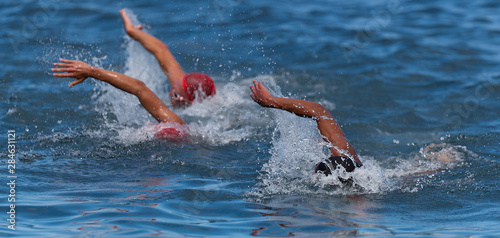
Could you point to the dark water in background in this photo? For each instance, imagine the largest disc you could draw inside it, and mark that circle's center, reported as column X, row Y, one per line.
column 398, row 75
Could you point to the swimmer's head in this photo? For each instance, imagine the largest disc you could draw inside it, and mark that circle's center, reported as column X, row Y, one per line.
column 335, row 162
column 197, row 86
column 321, row 167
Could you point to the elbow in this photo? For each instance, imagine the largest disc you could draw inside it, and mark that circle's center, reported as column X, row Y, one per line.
column 319, row 112
column 320, row 108
column 140, row 88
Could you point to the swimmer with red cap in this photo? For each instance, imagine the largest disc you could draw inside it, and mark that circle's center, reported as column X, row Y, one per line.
column 185, row 88
column 342, row 152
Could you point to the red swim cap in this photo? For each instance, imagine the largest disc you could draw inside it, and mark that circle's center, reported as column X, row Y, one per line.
column 198, row 84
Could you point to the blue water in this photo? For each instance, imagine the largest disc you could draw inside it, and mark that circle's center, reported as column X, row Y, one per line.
column 409, row 81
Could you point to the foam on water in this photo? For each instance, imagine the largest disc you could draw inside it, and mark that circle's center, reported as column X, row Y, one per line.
column 227, row 117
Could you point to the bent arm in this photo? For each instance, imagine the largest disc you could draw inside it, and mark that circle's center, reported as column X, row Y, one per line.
column 327, row 125
column 332, row 133
column 165, row 58
column 147, row 98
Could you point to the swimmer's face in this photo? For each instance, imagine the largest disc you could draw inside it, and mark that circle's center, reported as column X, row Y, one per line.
column 176, row 100
column 176, row 97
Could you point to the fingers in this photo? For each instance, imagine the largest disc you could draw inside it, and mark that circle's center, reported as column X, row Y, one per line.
column 258, row 85
column 255, row 83
column 75, row 82
column 127, row 23
column 62, row 64
column 123, row 13
column 255, row 87
column 252, row 88
column 67, row 61
column 62, row 70
column 69, row 75
column 261, row 85
column 255, row 92
column 253, row 97
column 66, row 72
column 66, row 67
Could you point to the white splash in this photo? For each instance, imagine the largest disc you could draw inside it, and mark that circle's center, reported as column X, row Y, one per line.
column 140, row 64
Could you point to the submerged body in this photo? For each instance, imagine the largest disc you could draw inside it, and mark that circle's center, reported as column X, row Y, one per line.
column 170, row 131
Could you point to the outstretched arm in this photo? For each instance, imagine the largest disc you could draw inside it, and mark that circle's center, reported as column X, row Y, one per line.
column 81, row 71
column 165, row 58
column 327, row 125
